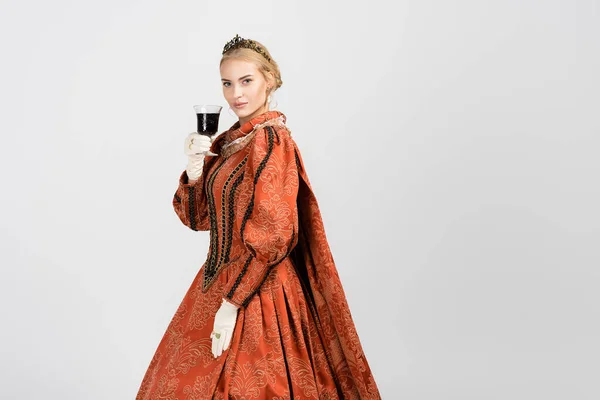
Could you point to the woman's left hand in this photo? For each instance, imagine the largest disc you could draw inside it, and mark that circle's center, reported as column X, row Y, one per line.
column 225, row 319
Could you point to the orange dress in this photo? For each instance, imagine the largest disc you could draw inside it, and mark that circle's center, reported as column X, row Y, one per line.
column 294, row 336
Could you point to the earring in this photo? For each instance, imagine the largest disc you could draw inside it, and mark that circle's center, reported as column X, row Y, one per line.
column 229, row 111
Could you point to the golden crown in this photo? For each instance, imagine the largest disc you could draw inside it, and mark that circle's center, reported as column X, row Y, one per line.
column 238, row 42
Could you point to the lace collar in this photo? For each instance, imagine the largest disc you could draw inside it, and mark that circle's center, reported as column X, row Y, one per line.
column 236, row 137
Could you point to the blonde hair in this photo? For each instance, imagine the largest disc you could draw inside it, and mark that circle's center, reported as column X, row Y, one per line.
column 264, row 66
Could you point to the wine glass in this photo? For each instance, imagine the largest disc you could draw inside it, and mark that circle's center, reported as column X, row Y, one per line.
column 208, row 121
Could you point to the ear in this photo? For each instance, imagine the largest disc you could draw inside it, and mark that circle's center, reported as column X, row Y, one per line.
column 270, row 80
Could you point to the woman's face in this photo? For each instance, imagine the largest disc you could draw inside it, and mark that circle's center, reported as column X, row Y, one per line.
column 244, row 88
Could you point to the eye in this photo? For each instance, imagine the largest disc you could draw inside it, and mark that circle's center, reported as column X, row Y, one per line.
column 225, row 84
column 248, row 79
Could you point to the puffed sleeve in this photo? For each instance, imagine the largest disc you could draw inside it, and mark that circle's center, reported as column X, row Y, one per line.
column 190, row 203
column 267, row 214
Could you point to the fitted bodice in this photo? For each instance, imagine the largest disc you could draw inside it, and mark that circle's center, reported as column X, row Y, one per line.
column 246, row 199
column 222, row 190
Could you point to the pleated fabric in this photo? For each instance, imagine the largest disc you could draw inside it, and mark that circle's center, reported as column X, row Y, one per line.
column 278, row 353
column 275, row 353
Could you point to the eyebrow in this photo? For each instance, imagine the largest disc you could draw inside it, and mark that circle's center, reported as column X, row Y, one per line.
column 243, row 77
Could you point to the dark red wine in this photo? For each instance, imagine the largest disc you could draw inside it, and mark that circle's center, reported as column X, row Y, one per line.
column 208, row 123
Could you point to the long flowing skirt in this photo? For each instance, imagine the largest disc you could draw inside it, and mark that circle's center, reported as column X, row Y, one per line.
column 276, row 351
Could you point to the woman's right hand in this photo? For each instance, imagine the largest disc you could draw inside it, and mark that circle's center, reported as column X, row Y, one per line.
column 196, row 143
column 196, row 147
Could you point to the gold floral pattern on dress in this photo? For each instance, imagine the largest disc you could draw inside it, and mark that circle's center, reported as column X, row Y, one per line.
column 294, row 336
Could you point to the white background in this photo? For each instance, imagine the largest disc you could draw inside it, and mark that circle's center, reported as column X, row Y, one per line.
column 453, row 148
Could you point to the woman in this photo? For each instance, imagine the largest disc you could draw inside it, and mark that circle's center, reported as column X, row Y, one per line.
column 266, row 316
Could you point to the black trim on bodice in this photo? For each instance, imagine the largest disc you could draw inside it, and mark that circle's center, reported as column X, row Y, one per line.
column 191, row 208
column 220, row 238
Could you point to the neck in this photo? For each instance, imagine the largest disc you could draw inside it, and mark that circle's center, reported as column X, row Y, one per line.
column 247, row 118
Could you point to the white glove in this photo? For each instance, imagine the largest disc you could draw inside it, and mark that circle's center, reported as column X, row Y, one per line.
column 223, row 327
column 196, row 147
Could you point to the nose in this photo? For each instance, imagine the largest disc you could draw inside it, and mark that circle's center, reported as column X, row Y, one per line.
column 237, row 92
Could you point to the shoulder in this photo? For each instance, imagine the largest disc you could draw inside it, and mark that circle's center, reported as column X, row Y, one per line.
column 275, row 138
column 272, row 149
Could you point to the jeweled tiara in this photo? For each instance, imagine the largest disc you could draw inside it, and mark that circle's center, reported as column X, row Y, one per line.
column 238, row 42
